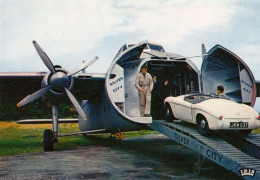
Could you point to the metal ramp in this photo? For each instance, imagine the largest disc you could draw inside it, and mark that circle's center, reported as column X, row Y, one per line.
column 212, row 148
column 253, row 139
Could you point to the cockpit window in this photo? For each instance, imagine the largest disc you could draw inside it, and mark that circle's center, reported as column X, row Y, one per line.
column 130, row 45
column 124, row 48
column 156, row 48
column 146, row 47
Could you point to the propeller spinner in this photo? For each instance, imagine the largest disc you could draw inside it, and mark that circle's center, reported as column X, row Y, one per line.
column 59, row 81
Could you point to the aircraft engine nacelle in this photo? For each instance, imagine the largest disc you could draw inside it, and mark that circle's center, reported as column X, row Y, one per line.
column 59, row 80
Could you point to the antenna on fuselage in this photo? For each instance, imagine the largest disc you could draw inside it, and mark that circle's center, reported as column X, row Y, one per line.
column 83, row 70
column 203, row 51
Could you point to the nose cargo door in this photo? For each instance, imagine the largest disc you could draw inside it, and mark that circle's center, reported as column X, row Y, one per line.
column 120, row 84
column 222, row 67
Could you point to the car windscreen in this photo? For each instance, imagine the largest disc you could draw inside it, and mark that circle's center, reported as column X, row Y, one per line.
column 194, row 99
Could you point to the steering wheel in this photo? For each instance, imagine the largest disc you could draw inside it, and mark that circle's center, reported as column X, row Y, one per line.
column 213, row 95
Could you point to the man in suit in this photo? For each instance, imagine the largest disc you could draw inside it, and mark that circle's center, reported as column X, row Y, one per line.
column 156, row 99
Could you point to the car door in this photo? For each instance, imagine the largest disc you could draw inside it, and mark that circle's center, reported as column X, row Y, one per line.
column 182, row 110
column 222, row 67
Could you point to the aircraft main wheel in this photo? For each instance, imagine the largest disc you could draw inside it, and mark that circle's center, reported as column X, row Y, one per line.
column 169, row 115
column 203, row 127
column 196, row 169
column 48, row 140
column 246, row 132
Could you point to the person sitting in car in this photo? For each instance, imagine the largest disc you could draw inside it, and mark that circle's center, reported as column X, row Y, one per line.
column 220, row 91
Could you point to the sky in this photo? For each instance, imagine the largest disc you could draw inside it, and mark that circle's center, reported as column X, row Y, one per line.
column 71, row 31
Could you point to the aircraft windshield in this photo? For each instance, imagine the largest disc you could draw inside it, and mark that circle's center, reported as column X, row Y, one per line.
column 130, row 45
column 156, row 48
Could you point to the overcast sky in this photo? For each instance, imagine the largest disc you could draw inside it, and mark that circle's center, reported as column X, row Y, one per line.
column 72, row 31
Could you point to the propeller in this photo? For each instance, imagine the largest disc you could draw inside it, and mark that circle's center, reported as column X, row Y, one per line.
column 83, row 66
column 58, row 81
column 76, row 104
column 44, row 57
column 34, row 96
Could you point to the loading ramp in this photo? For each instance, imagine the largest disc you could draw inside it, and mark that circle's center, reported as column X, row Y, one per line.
column 213, row 148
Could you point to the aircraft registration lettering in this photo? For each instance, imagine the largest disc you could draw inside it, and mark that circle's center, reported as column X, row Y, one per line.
column 182, row 139
column 214, row 155
column 116, row 81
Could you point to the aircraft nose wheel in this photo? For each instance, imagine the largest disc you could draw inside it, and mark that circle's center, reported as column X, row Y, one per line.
column 48, row 140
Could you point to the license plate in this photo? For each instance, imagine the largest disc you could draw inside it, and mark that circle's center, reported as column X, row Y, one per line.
column 238, row 125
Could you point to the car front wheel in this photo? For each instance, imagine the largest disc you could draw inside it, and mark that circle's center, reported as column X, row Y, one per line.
column 203, row 127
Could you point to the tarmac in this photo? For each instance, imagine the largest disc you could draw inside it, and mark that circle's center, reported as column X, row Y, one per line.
column 143, row 157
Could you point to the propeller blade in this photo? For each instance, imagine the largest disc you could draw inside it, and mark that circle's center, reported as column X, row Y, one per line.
column 44, row 57
column 34, row 96
column 76, row 104
column 83, row 66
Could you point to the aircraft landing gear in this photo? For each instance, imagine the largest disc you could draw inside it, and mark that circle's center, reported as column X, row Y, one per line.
column 50, row 137
column 48, row 140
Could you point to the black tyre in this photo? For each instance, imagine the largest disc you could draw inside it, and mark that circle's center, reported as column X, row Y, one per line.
column 169, row 115
column 196, row 169
column 246, row 132
column 48, row 140
column 203, row 126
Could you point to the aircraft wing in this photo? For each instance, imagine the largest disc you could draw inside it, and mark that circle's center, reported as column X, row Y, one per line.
column 16, row 86
column 88, row 86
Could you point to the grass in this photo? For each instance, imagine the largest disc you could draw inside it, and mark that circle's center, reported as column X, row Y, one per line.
column 16, row 139
column 257, row 131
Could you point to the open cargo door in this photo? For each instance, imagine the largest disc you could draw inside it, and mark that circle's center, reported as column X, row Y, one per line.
column 120, row 84
column 222, row 67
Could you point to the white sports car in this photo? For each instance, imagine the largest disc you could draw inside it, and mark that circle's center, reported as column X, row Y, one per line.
column 212, row 113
